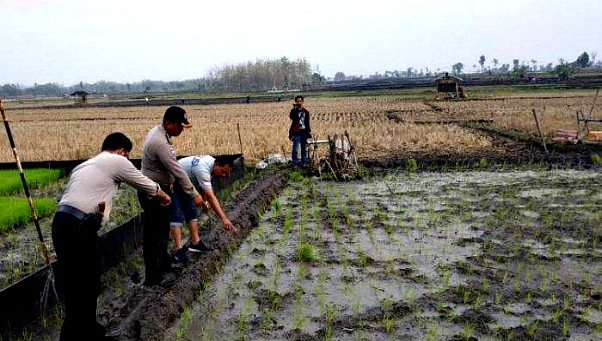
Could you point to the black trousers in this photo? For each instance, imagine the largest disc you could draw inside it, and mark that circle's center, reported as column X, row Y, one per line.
column 155, row 237
column 76, row 244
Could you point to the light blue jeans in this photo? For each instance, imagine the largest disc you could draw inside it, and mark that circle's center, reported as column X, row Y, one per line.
column 299, row 140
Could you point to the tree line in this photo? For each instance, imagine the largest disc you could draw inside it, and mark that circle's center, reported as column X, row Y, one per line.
column 284, row 74
column 259, row 76
column 563, row 69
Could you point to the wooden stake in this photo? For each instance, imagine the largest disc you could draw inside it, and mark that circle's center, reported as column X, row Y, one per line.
column 239, row 138
column 543, row 142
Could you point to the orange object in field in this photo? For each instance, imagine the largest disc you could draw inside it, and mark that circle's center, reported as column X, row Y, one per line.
column 594, row 135
column 565, row 135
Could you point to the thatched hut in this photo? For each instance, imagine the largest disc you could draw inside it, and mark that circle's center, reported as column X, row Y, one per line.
column 449, row 87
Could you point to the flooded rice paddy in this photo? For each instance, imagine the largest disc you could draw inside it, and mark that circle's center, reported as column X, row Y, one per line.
column 415, row 256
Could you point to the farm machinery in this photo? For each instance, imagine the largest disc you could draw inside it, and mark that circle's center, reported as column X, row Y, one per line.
column 335, row 156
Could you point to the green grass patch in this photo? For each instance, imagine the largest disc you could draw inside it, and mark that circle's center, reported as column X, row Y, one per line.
column 305, row 253
column 16, row 212
column 10, row 180
column 295, row 176
column 411, row 165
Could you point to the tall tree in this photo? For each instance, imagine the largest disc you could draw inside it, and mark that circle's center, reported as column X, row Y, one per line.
column 482, row 61
column 564, row 70
column 10, row 90
column 339, row 77
column 583, row 60
column 457, row 68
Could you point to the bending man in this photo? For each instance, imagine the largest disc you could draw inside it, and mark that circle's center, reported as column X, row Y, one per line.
column 200, row 169
column 85, row 204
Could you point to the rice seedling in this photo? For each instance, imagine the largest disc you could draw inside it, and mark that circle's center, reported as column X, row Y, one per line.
column 16, row 211
column 10, row 180
column 185, row 319
column 388, row 323
column 432, row 333
column 305, row 253
column 287, row 225
column 329, row 318
column 466, row 333
column 466, row 295
column 276, row 207
column 299, row 318
column 531, row 329
column 295, row 176
column 411, row 165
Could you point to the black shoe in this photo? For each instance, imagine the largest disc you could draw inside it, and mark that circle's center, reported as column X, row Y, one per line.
column 180, row 256
column 200, row 247
column 163, row 283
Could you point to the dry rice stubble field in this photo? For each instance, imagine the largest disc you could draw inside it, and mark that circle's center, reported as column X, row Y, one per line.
column 46, row 134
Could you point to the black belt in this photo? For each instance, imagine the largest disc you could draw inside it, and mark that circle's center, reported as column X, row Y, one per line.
column 77, row 213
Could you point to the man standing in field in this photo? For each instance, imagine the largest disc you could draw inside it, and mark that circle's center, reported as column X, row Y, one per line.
column 85, row 203
column 159, row 163
column 199, row 169
column 299, row 131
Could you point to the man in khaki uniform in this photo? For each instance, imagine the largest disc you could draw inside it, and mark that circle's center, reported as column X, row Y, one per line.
column 160, row 164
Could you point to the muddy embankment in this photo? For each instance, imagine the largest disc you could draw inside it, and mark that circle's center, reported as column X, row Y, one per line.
column 142, row 313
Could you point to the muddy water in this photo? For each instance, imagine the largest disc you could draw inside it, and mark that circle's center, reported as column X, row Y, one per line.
column 20, row 250
column 430, row 256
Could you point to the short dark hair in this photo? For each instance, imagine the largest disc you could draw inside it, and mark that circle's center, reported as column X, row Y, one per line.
column 116, row 141
column 175, row 114
column 224, row 160
column 299, row 96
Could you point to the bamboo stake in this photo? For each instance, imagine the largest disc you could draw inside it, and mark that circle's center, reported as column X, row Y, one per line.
column 543, row 142
column 32, row 208
column 239, row 138
column 332, row 170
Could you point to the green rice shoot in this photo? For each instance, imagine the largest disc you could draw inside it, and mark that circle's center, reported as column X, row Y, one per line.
column 10, row 180
column 16, row 212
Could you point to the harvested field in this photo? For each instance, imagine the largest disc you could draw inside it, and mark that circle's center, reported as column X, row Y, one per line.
column 66, row 134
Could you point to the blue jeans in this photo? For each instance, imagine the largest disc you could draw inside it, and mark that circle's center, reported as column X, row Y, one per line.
column 299, row 140
column 181, row 209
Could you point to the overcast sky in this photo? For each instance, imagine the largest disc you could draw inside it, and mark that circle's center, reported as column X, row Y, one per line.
column 68, row 41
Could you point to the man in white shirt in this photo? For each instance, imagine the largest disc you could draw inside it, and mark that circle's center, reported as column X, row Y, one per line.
column 200, row 169
column 84, row 205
